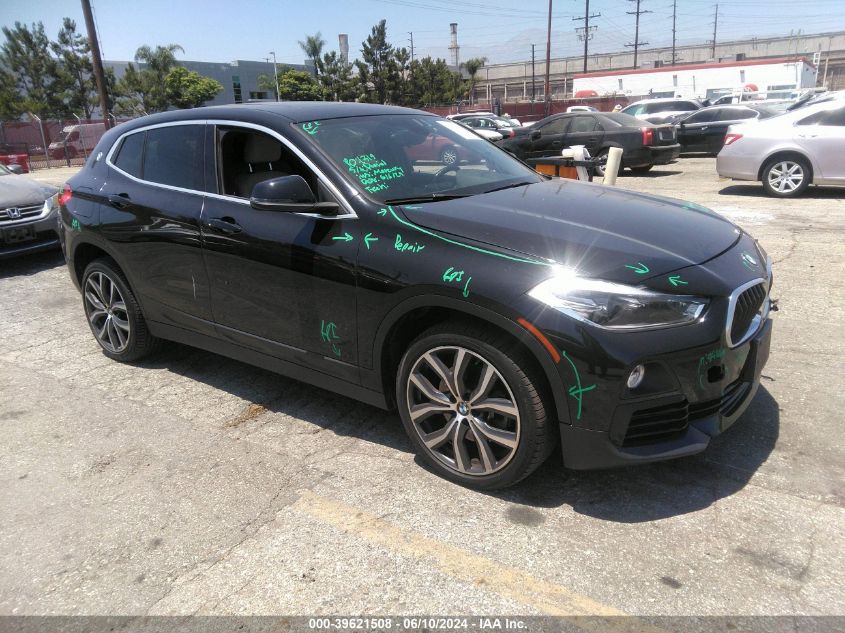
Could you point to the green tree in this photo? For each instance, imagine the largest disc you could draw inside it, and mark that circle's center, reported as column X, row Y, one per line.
column 189, row 89
column 10, row 98
column 378, row 72
column 432, row 81
column 134, row 93
column 313, row 48
column 472, row 66
column 75, row 70
column 159, row 61
column 296, row 85
column 26, row 56
column 267, row 82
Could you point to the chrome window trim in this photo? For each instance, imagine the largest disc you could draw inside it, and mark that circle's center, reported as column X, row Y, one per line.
column 758, row 319
column 349, row 215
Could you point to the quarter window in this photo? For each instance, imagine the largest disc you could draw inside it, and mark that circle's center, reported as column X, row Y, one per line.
column 130, row 153
column 174, row 156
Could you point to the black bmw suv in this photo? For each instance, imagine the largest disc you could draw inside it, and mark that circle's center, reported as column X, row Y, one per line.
column 502, row 313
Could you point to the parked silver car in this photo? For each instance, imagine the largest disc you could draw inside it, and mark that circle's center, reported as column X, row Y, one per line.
column 27, row 215
column 788, row 152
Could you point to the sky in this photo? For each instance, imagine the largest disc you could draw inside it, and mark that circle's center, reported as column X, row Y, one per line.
column 500, row 30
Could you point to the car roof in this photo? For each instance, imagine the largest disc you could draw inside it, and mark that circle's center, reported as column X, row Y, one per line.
column 662, row 100
column 291, row 111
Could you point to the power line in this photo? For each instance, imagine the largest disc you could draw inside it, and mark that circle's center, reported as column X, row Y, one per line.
column 587, row 30
column 637, row 43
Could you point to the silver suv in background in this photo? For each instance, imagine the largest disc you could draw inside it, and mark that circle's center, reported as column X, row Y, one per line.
column 662, row 110
column 789, row 152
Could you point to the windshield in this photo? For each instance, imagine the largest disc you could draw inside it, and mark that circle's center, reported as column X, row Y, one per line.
column 4, row 171
column 400, row 157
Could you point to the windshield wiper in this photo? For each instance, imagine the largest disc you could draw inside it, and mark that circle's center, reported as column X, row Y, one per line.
column 516, row 184
column 432, row 197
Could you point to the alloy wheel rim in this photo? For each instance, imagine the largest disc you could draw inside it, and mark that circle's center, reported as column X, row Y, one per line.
column 106, row 312
column 463, row 410
column 786, row 176
column 449, row 156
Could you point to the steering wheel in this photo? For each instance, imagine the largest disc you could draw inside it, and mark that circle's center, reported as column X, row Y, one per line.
column 442, row 172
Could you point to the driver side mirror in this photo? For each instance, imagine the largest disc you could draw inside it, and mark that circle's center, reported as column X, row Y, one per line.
column 15, row 169
column 290, row 194
column 535, row 135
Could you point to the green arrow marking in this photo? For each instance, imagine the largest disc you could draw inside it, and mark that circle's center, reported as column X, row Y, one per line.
column 382, row 211
column 640, row 268
column 369, row 238
column 343, row 238
column 675, row 280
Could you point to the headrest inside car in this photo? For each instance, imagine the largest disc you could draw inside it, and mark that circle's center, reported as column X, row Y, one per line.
column 262, row 149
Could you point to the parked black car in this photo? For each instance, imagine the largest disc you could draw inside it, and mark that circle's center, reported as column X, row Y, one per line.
column 28, row 221
column 644, row 144
column 705, row 129
column 495, row 308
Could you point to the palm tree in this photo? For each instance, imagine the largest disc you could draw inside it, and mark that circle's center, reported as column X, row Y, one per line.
column 159, row 61
column 472, row 66
column 313, row 47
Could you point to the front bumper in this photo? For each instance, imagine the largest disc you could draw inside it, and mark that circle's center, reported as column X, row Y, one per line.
column 691, row 424
column 46, row 236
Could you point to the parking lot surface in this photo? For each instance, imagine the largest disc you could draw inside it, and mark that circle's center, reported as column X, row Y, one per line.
column 194, row 484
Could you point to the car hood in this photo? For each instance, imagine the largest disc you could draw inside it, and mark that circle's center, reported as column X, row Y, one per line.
column 20, row 191
column 600, row 231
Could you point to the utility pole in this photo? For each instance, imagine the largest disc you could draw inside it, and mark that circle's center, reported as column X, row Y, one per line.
column 588, row 30
column 715, row 25
column 637, row 43
column 674, row 15
column 96, row 60
column 275, row 73
column 411, row 33
column 547, row 95
column 533, row 92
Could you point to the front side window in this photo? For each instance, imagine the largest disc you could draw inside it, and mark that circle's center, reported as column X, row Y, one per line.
column 173, row 156
column 397, row 158
column 556, row 126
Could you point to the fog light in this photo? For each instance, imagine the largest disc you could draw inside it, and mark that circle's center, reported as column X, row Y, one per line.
column 636, row 377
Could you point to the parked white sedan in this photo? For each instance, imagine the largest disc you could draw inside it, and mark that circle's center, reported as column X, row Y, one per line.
column 788, row 152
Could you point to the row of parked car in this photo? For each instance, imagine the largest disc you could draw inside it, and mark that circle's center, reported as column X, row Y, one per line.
column 787, row 145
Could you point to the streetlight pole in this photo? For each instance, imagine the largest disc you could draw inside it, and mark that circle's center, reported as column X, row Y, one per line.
column 275, row 74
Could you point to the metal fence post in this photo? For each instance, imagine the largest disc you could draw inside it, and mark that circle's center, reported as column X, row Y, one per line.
column 43, row 138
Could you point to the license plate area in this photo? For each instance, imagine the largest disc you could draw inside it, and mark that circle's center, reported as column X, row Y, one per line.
column 18, row 234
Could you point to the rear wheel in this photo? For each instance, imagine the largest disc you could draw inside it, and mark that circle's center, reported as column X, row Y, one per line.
column 449, row 155
column 786, row 177
column 602, row 155
column 113, row 313
column 470, row 402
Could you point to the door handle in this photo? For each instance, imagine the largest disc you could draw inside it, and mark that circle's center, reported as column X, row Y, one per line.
column 119, row 200
column 225, row 225
column 808, row 135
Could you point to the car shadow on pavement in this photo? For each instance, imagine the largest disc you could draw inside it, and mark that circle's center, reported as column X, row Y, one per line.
column 30, row 264
column 756, row 190
column 267, row 392
column 649, row 492
column 654, row 173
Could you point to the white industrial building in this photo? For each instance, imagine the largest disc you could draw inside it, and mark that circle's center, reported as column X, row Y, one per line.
column 777, row 78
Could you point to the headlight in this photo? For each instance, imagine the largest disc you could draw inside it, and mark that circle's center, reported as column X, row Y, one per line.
column 617, row 306
column 49, row 204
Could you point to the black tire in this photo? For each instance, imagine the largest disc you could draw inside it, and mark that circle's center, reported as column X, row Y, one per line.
column 783, row 166
column 641, row 169
column 449, row 155
column 138, row 341
column 535, row 433
column 603, row 153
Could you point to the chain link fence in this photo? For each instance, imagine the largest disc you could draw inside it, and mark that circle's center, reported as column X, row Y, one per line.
column 40, row 144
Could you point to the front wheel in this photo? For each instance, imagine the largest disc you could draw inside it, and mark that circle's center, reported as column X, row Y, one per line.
column 786, row 177
column 470, row 401
column 449, row 155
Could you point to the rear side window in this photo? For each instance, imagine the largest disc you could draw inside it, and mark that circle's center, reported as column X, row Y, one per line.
column 174, row 156
column 735, row 114
column 582, row 124
column 703, row 116
column 129, row 154
column 833, row 117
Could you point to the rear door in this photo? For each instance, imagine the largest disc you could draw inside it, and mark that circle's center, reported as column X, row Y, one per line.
column 584, row 129
column 714, row 135
column 692, row 132
column 823, row 136
column 151, row 205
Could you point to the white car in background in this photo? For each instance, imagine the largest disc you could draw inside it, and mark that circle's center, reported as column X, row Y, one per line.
column 488, row 133
column 664, row 110
column 788, row 152
column 463, row 115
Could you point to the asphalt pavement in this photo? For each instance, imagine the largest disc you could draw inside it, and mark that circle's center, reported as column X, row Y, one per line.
column 193, row 484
